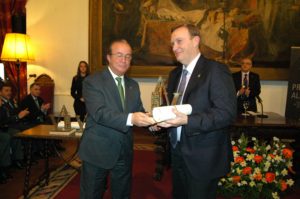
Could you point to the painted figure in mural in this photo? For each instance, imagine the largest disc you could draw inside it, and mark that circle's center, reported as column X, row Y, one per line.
column 230, row 30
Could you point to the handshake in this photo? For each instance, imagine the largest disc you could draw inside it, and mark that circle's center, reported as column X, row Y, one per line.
column 165, row 116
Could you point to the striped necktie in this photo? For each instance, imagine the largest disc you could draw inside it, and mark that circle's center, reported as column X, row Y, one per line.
column 121, row 90
column 180, row 90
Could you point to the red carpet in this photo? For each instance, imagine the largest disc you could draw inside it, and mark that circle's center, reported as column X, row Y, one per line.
column 144, row 187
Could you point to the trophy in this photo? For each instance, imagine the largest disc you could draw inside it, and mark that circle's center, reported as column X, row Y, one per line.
column 159, row 96
column 67, row 118
column 64, row 130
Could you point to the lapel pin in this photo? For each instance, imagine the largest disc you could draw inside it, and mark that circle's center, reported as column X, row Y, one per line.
column 199, row 75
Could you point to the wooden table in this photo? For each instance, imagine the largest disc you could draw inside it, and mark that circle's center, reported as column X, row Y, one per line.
column 274, row 125
column 42, row 132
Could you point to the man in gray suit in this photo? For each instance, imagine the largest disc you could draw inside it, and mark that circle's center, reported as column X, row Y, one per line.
column 113, row 105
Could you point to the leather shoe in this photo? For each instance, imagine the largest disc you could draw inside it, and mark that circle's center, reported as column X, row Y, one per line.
column 18, row 164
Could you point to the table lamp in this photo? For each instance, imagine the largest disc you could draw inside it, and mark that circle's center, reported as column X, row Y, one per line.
column 17, row 48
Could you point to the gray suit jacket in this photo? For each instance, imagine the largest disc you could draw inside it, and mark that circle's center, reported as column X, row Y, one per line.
column 106, row 129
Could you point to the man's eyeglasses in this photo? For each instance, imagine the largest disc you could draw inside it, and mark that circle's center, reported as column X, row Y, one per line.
column 246, row 63
column 121, row 56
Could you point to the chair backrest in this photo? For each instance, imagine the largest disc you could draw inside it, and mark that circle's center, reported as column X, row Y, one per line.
column 47, row 89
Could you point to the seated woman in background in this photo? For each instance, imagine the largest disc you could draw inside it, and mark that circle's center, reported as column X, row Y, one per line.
column 76, row 89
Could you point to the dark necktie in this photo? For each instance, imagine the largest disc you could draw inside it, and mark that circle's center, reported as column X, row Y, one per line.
column 181, row 86
column 40, row 118
column 11, row 105
column 121, row 90
column 180, row 90
column 37, row 102
column 245, row 81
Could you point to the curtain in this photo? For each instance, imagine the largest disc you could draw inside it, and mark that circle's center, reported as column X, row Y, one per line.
column 10, row 9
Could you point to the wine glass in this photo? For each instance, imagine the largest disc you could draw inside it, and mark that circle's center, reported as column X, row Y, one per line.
column 245, row 106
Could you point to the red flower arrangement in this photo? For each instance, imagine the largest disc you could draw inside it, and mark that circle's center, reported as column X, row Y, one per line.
column 259, row 169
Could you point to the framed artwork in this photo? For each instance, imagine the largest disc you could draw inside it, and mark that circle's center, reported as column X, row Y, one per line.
column 229, row 29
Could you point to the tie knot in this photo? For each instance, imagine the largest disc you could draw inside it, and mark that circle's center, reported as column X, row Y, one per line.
column 246, row 75
column 119, row 79
column 184, row 72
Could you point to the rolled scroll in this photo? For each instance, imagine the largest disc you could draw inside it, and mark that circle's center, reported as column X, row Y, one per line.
column 164, row 113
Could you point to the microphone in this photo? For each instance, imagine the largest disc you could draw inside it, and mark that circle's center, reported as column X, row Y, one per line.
column 262, row 108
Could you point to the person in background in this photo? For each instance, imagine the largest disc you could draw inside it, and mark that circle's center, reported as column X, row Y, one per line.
column 37, row 115
column 35, row 105
column 113, row 105
column 11, row 124
column 201, row 149
column 247, row 86
column 76, row 89
column 5, row 140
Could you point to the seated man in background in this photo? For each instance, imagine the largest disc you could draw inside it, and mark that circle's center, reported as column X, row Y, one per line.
column 37, row 114
column 35, row 105
column 4, row 148
column 247, row 86
column 11, row 124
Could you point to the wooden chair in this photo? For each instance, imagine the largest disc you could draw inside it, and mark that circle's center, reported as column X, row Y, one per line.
column 47, row 89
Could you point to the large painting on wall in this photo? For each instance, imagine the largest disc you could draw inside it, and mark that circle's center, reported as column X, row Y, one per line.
column 230, row 29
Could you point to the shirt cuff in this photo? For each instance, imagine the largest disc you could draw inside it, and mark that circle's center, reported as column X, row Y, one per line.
column 129, row 123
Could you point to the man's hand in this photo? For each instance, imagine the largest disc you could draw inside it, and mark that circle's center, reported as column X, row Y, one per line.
column 141, row 119
column 23, row 113
column 45, row 107
column 247, row 92
column 242, row 91
column 181, row 119
column 154, row 128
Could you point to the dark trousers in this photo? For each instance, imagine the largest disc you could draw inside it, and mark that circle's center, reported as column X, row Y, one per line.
column 79, row 108
column 93, row 180
column 4, row 149
column 8, row 142
column 185, row 186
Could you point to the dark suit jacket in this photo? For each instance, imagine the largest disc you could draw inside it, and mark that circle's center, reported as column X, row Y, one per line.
column 205, row 141
column 35, row 112
column 254, row 86
column 106, row 129
column 10, row 116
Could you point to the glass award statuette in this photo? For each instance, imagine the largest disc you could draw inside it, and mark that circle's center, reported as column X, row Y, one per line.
column 162, row 113
column 66, row 129
column 159, row 95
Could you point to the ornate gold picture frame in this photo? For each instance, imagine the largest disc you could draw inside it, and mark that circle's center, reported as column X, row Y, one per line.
column 96, row 58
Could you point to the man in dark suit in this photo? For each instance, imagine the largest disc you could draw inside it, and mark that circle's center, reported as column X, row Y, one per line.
column 35, row 105
column 37, row 115
column 5, row 141
column 201, row 148
column 113, row 105
column 11, row 124
column 247, row 86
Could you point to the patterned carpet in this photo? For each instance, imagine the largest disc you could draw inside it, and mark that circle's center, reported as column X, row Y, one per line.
column 57, row 181
column 62, row 176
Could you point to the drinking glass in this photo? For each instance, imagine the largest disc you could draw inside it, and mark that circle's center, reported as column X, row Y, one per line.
column 245, row 106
